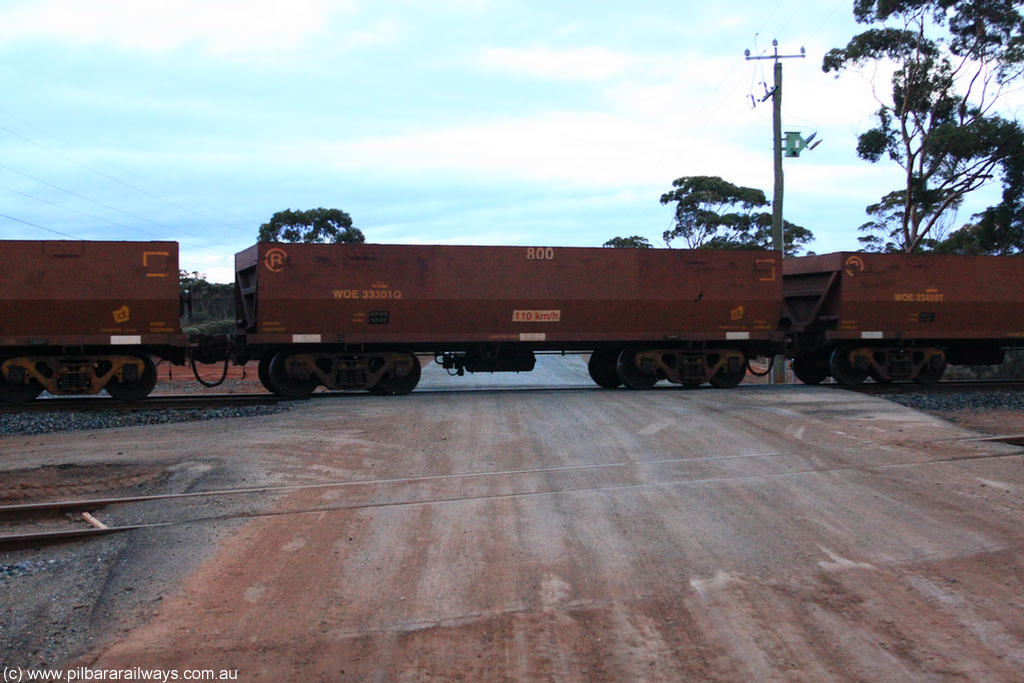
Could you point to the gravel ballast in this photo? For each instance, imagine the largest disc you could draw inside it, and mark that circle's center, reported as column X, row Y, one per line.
column 24, row 424
column 963, row 400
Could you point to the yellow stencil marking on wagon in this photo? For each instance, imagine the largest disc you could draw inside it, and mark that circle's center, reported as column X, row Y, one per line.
column 536, row 316
column 768, row 265
column 274, row 259
column 736, row 313
column 378, row 292
column 122, row 315
column 928, row 296
column 150, row 260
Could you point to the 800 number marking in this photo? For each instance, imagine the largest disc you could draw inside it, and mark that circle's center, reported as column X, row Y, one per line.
column 540, row 254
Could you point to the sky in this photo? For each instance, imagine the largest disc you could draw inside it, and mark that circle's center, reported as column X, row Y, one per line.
column 515, row 122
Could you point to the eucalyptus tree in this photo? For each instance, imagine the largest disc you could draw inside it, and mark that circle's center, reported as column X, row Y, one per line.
column 712, row 213
column 314, row 225
column 938, row 116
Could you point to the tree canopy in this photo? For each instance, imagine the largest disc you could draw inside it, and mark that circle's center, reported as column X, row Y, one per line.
column 312, row 226
column 212, row 304
column 952, row 60
column 635, row 242
column 712, row 213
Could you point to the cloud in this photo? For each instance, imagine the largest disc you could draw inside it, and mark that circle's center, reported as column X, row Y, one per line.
column 382, row 32
column 538, row 61
column 574, row 147
column 224, row 26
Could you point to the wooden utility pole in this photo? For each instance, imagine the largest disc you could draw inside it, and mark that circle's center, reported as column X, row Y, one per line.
column 778, row 242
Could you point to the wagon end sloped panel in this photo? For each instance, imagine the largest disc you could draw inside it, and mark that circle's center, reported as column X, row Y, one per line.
column 369, row 294
column 81, row 293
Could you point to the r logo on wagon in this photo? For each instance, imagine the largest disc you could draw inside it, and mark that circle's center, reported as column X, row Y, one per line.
column 275, row 259
column 854, row 265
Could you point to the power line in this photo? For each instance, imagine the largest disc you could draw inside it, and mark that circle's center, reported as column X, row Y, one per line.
column 106, row 206
column 80, row 213
column 57, row 232
column 117, row 180
column 815, row 32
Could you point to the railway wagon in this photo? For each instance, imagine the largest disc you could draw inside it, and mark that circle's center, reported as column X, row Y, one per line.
column 900, row 316
column 356, row 316
column 78, row 317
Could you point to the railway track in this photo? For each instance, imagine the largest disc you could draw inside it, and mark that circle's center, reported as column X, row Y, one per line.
column 947, row 386
column 40, row 523
column 203, row 400
column 156, row 402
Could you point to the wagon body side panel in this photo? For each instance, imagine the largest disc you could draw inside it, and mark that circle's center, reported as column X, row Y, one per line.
column 439, row 295
column 82, row 293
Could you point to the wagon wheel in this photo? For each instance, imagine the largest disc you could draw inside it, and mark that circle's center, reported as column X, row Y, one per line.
column 374, row 365
column 932, row 372
column 726, row 379
column 263, row 370
column 282, row 383
column 602, row 368
column 843, row 370
column 137, row 389
column 630, row 374
column 809, row 370
column 394, row 384
column 18, row 393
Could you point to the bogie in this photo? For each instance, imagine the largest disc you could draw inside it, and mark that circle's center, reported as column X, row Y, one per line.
column 851, row 365
column 127, row 377
column 640, row 368
column 297, row 374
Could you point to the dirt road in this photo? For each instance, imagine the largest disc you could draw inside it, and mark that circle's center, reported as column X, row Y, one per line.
column 575, row 534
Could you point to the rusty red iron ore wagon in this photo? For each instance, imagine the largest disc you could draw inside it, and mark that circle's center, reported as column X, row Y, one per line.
column 900, row 316
column 78, row 317
column 355, row 316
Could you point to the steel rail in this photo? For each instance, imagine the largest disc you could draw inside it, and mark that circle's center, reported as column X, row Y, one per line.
column 943, row 387
column 35, row 509
column 153, row 402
